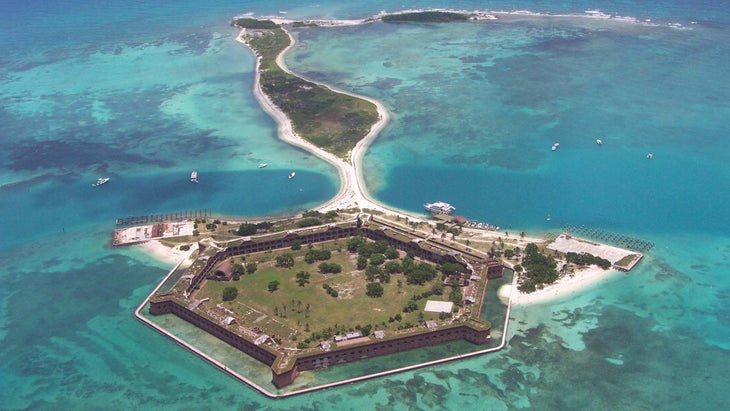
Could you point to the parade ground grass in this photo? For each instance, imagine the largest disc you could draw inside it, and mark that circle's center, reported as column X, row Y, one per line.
column 300, row 310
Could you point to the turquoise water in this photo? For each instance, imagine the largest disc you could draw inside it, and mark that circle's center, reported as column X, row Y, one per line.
column 144, row 93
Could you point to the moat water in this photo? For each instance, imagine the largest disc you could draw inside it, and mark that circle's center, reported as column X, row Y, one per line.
column 144, row 93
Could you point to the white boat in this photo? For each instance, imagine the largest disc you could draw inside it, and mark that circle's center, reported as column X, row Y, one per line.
column 262, row 165
column 100, row 181
column 194, row 177
column 650, row 156
column 599, row 142
column 555, row 146
column 291, row 175
column 439, row 207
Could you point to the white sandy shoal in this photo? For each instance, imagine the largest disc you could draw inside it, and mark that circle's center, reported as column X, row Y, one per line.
column 167, row 254
column 566, row 287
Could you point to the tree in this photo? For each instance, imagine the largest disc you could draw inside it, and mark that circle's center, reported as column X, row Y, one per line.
column 251, row 267
column 456, row 296
column 377, row 259
column 452, row 268
column 362, row 262
column 354, row 243
column 230, row 293
column 508, row 253
column 391, row 253
column 326, row 268
column 437, row 288
column 374, row 290
column 392, row 267
column 273, row 286
column 237, row 271
column 296, row 245
column 420, row 273
column 246, row 229
column 372, row 272
column 302, row 278
column 285, row 260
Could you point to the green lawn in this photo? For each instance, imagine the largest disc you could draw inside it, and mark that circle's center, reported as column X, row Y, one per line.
column 310, row 305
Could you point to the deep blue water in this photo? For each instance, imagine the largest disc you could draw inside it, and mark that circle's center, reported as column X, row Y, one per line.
column 145, row 92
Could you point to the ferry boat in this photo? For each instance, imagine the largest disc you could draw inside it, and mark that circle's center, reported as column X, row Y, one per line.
column 194, row 177
column 262, row 165
column 291, row 175
column 100, row 181
column 439, row 207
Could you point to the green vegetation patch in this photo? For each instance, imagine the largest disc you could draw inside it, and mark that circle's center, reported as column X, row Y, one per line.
column 332, row 121
column 587, row 259
column 539, row 269
column 624, row 262
column 246, row 23
column 426, row 17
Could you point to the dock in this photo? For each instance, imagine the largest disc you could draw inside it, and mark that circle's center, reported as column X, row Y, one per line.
column 162, row 218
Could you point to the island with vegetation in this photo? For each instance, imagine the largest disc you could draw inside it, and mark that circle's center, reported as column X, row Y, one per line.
column 332, row 121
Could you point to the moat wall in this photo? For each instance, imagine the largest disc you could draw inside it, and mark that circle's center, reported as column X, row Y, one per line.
column 259, row 352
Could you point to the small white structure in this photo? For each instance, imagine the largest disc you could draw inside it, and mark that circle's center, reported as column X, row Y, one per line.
column 262, row 339
column 228, row 321
column 438, row 306
column 379, row 334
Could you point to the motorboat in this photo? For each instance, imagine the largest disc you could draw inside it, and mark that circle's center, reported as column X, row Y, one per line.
column 292, row 174
column 194, row 177
column 100, row 181
column 599, row 142
column 555, row 146
column 439, row 207
column 650, row 156
column 262, row 165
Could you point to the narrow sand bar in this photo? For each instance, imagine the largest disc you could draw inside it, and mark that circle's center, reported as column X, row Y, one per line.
column 351, row 193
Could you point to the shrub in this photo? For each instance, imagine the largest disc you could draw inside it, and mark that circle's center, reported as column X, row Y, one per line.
column 331, row 291
column 326, row 268
column 251, row 268
column 374, row 290
column 377, row 259
column 302, row 278
column 284, row 260
column 230, row 293
column 296, row 245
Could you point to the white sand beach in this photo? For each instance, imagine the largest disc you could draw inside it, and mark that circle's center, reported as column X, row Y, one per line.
column 164, row 253
column 566, row 287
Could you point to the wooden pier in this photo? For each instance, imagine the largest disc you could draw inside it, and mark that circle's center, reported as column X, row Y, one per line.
column 161, row 218
column 619, row 240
